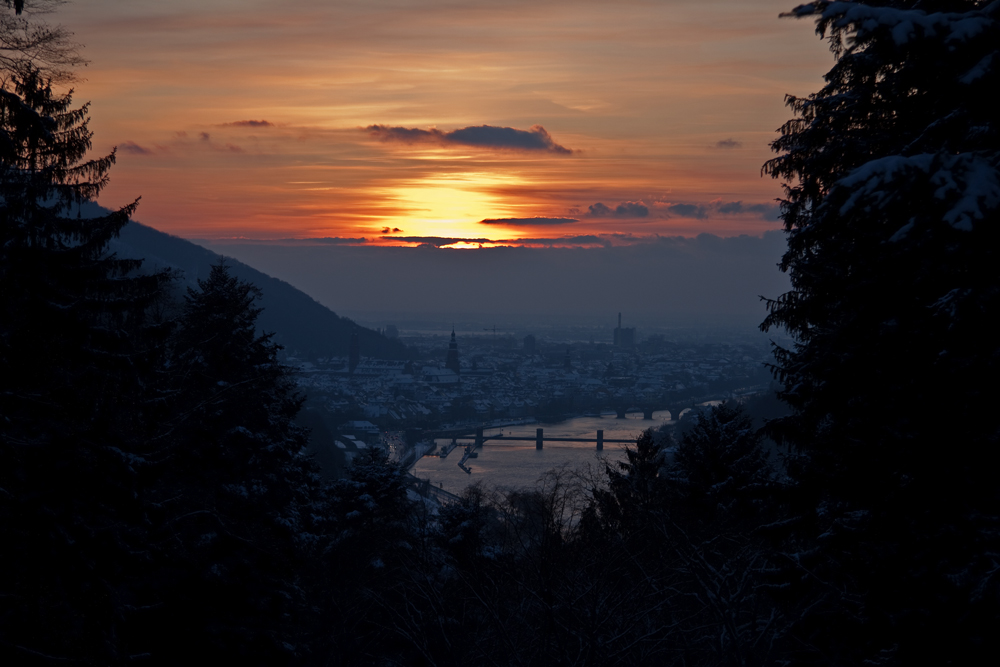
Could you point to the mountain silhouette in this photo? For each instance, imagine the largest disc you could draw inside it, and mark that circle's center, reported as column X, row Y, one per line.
column 301, row 324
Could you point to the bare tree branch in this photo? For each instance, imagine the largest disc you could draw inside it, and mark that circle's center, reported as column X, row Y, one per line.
column 27, row 39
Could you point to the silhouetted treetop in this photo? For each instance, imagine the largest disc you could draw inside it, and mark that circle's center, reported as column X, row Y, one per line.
column 892, row 194
column 79, row 348
column 721, row 465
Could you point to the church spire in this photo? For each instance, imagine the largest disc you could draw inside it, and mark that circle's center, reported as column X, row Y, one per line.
column 451, row 363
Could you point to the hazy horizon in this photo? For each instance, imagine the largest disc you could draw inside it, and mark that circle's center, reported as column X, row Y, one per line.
column 675, row 282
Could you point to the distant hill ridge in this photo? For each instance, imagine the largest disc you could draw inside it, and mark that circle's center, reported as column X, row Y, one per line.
column 301, row 324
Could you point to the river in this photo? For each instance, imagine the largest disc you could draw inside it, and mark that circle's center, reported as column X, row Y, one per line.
column 519, row 464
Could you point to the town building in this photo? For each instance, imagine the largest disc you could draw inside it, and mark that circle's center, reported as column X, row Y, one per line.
column 624, row 338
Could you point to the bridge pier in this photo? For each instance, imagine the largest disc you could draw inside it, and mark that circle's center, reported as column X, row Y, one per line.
column 620, row 412
column 479, row 437
column 600, row 440
column 538, row 439
column 647, row 413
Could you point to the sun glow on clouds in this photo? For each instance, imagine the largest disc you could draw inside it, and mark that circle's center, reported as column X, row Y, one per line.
column 234, row 120
column 463, row 245
column 448, row 205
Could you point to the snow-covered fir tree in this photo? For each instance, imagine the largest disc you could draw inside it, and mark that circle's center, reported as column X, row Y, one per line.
column 891, row 205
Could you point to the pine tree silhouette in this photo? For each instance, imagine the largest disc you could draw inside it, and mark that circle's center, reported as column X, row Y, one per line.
column 77, row 357
column 242, row 503
column 720, row 466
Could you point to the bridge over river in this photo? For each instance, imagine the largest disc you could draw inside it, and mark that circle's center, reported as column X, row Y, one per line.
column 508, row 459
column 474, row 434
column 522, row 454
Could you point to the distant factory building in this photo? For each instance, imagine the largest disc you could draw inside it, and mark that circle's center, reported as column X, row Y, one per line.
column 624, row 338
column 529, row 344
column 451, row 363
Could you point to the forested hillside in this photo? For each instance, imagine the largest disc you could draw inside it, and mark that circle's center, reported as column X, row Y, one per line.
column 300, row 324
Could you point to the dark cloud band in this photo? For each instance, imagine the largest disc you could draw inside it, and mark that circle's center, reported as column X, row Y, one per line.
column 580, row 241
column 766, row 211
column 436, row 241
column 134, row 148
column 251, row 123
column 703, row 211
column 627, row 209
column 630, row 209
column 325, row 240
column 485, row 136
column 697, row 211
column 528, row 222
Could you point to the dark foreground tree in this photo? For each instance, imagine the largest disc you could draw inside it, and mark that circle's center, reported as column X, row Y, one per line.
column 372, row 566
column 720, row 469
column 892, row 209
column 635, row 489
column 676, row 530
column 236, row 505
column 155, row 499
column 77, row 352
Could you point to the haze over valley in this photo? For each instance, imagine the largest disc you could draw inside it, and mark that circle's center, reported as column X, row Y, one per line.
column 664, row 282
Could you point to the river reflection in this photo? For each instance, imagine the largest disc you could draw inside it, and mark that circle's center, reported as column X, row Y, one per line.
column 519, row 464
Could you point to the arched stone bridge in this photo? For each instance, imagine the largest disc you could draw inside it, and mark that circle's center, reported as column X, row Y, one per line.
column 674, row 407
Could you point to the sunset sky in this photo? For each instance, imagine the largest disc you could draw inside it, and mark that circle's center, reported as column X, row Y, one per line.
column 563, row 122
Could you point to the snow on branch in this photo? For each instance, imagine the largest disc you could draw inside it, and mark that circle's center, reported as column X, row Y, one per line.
column 968, row 182
column 904, row 24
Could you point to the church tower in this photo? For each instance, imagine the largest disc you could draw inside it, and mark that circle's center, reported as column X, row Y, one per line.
column 451, row 363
